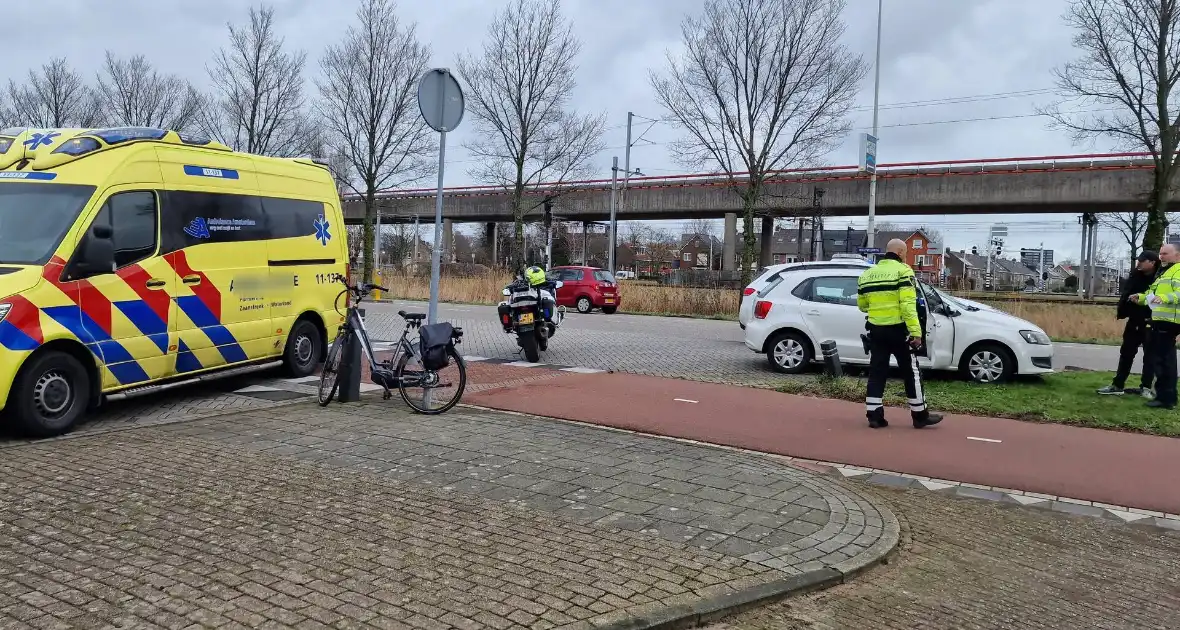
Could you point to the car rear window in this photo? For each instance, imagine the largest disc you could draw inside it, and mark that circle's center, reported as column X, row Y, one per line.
column 603, row 276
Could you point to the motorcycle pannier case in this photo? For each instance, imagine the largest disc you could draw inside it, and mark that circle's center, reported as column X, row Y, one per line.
column 433, row 341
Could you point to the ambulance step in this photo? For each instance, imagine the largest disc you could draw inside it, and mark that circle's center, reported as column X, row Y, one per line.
column 211, row 376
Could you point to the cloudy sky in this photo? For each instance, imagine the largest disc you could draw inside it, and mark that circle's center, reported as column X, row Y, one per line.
column 959, row 78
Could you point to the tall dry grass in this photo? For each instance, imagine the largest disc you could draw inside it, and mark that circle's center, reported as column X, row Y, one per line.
column 1082, row 322
column 637, row 297
column 1060, row 321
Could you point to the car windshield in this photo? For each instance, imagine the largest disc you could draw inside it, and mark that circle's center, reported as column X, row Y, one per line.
column 945, row 297
column 35, row 217
column 603, row 276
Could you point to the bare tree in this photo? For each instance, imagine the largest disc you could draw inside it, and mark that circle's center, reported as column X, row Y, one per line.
column 135, row 94
column 518, row 93
column 762, row 85
column 368, row 101
column 1130, row 228
column 701, row 227
column 54, row 96
column 1129, row 67
column 258, row 103
column 934, row 235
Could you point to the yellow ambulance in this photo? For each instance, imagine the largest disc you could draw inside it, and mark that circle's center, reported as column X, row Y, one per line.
column 135, row 259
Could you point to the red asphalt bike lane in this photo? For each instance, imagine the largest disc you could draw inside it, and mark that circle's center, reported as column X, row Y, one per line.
column 1124, row 469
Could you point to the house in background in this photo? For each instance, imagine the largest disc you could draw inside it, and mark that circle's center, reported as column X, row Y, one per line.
column 700, row 251
column 924, row 257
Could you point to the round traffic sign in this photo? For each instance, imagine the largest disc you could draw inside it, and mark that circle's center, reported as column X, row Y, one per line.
column 440, row 99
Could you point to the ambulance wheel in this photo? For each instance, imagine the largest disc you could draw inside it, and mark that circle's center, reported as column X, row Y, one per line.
column 49, row 395
column 304, row 350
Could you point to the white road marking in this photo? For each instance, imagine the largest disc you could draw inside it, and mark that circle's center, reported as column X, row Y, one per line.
column 979, row 439
column 525, row 364
column 685, row 400
column 257, row 388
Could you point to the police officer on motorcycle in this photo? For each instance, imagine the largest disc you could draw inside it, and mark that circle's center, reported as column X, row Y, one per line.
column 887, row 293
column 539, row 281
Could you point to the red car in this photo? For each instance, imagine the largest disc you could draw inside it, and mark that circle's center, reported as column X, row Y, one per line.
column 586, row 288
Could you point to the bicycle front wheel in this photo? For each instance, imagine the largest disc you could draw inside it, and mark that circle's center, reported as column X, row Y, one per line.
column 432, row 392
column 330, row 377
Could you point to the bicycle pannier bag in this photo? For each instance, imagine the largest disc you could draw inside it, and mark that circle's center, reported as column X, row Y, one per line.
column 433, row 341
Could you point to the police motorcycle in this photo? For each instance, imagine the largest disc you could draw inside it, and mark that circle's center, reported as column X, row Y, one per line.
column 530, row 311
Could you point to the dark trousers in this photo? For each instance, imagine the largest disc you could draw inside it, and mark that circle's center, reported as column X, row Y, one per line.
column 1137, row 333
column 886, row 342
column 1163, row 349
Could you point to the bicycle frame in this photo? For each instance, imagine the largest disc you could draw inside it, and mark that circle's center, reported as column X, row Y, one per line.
column 355, row 325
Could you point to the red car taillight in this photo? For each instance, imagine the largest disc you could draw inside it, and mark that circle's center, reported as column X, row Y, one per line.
column 749, row 291
column 761, row 309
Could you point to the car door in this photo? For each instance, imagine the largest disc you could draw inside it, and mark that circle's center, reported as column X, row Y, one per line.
column 940, row 331
column 830, row 313
column 575, row 280
column 217, row 245
column 130, row 318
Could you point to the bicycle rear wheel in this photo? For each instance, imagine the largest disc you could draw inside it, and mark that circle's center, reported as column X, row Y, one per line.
column 330, row 377
column 431, row 392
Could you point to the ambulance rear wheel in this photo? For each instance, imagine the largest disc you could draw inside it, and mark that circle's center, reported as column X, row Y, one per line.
column 49, row 395
column 304, row 349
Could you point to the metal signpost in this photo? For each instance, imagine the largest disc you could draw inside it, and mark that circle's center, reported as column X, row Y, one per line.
column 440, row 99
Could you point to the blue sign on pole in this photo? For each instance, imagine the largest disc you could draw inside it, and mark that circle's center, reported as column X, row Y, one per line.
column 868, row 250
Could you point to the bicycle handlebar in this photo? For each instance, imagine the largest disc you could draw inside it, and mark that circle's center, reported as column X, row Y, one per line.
column 360, row 288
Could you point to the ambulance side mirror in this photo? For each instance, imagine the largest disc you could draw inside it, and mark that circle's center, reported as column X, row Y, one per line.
column 96, row 254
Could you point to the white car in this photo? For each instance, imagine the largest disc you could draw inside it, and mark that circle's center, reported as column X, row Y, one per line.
column 746, row 310
column 801, row 307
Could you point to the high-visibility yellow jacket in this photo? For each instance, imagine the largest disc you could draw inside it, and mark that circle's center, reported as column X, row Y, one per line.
column 888, row 293
column 1167, row 287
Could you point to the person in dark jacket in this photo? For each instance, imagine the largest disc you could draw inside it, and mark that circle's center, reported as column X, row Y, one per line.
column 1138, row 329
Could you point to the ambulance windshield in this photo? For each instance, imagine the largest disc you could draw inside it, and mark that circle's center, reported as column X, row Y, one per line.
column 34, row 217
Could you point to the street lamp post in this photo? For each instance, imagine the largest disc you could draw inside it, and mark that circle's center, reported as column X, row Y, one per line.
column 876, row 102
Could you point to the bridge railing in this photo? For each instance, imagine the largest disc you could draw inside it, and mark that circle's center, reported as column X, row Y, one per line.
column 1094, row 161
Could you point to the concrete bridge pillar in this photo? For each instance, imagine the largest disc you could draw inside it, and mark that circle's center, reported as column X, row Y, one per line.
column 493, row 241
column 448, row 240
column 729, row 239
column 764, row 257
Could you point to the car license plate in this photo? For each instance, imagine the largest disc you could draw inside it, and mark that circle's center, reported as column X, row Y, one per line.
column 609, row 300
column 525, row 318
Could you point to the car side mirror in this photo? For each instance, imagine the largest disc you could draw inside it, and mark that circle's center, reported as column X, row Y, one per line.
column 559, row 284
column 96, row 255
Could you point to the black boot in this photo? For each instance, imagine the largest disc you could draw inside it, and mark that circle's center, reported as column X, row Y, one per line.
column 926, row 419
column 877, row 419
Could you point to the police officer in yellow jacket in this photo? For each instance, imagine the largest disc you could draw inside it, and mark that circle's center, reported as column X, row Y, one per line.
column 888, row 294
column 1164, row 301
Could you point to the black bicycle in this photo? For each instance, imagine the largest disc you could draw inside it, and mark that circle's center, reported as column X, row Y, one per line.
column 430, row 367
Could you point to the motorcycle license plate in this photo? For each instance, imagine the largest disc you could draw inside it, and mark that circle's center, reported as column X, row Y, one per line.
column 525, row 318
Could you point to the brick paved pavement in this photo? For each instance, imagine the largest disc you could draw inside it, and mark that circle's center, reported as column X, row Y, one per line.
column 365, row 516
column 968, row 564
column 704, row 350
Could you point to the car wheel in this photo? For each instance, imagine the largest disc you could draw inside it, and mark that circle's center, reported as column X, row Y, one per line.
column 50, row 395
column 584, row 305
column 304, row 349
column 788, row 353
column 610, row 310
column 988, row 363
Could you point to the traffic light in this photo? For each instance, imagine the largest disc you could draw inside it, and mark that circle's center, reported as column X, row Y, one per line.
column 999, row 250
column 974, row 250
column 1044, row 275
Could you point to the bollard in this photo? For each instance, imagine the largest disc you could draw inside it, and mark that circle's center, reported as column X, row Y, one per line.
column 832, row 365
column 350, row 368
